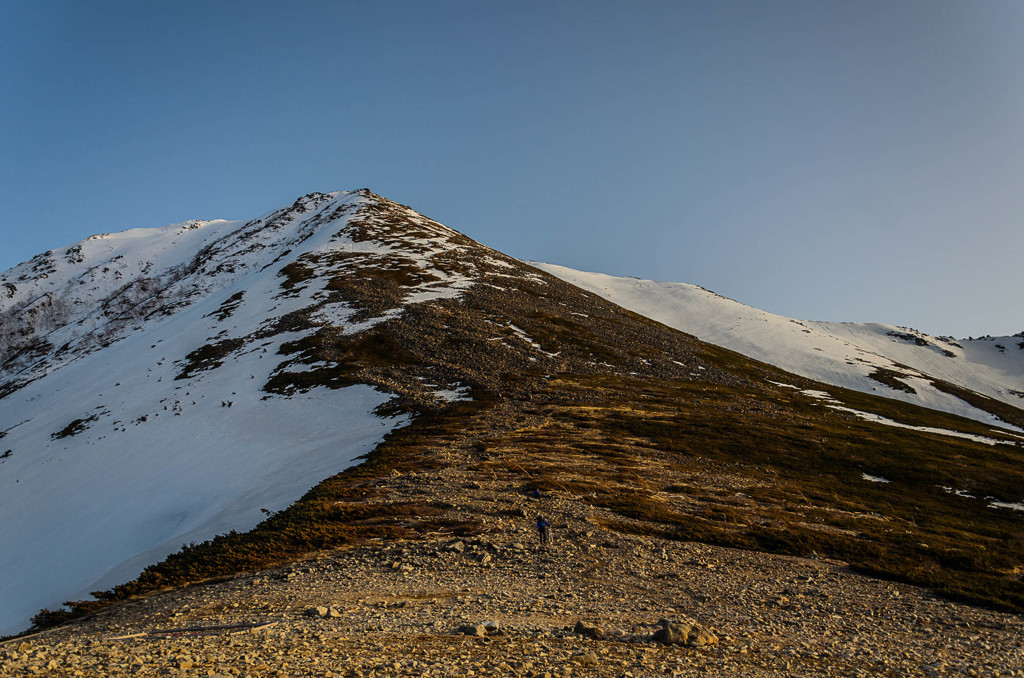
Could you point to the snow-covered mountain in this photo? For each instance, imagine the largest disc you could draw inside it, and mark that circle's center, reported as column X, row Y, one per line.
column 119, row 440
column 895, row 362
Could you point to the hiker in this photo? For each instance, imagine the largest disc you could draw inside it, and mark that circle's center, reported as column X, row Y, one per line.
column 542, row 529
column 535, row 494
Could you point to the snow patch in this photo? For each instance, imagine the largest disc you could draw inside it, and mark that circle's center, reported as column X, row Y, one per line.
column 459, row 394
column 879, row 419
column 783, row 385
column 1013, row 506
column 334, row 314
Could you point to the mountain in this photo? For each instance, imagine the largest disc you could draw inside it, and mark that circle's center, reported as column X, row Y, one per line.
column 183, row 384
column 975, row 378
column 162, row 386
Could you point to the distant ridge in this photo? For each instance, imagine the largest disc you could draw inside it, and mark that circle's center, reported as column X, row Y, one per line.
column 971, row 377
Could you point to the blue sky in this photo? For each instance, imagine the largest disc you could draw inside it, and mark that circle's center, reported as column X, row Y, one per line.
column 858, row 161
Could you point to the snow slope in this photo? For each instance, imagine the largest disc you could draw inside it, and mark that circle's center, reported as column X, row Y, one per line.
column 118, row 444
column 842, row 354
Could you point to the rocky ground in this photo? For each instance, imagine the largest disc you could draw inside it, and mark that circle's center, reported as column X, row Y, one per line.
column 592, row 603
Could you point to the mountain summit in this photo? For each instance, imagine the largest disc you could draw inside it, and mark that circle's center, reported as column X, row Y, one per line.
column 161, row 386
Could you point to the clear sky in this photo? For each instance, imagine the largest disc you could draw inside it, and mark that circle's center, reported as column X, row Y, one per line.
column 858, row 160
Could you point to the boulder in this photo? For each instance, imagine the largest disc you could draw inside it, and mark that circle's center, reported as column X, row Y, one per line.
column 589, row 630
column 323, row 611
column 480, row 630
column 477, row 630
column 683, row 633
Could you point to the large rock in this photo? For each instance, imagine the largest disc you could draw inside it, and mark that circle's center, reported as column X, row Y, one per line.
column 487, row 628
column 683, row 633
column 595, row 632
column 323, row 611
column 478, row 630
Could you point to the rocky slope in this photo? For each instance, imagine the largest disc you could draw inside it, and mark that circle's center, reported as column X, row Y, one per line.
column 592, row 603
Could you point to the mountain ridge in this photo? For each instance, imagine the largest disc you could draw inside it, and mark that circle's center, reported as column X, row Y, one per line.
column 892, row 361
